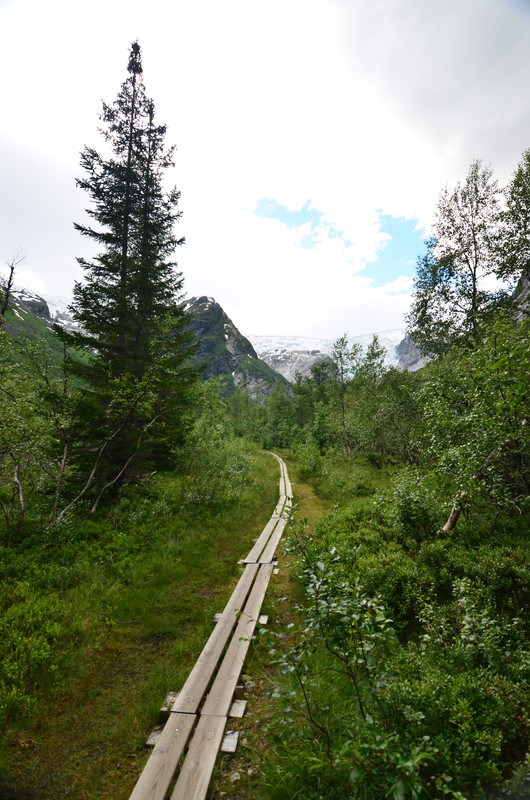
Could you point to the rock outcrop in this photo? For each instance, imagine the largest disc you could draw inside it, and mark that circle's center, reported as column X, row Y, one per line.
column 226, row 353
column 409, row 356
column 521, row 298
column 30, row 302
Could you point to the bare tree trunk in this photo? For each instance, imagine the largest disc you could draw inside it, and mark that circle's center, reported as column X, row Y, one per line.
column 480, row 473
column 92, row 475
column 60, row 481
column 118, row 476
column 21, row 502
column 455, row 513
column 17, row 259
column 90, row 478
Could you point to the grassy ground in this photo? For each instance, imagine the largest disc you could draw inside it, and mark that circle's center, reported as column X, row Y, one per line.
column 85, row 739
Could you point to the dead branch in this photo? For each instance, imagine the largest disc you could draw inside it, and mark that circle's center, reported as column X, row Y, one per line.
column 120, row 473
column 17, row 259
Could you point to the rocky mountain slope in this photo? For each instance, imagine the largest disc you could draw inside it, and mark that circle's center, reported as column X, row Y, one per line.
column 222, row 348
column 291, row 362
column 409, row 356
column 226, row 352
column 252, row 364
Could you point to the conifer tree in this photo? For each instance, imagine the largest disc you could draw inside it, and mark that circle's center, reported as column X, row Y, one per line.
column 136, row 374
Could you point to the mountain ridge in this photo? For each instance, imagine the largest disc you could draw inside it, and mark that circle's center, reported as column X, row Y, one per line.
column 246, row 366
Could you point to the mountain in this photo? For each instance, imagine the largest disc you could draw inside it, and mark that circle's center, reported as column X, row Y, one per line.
column 253, row 364
column 291, row 354
column 409, row 356
column 222, row 348
column 226, row 352
column 521, row 297
column 29, row 317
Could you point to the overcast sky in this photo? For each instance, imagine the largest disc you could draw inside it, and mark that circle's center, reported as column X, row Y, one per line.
column 313, row 139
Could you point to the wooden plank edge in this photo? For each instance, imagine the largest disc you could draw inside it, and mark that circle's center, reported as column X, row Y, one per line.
column 204, row 669
column 158, row 772
column 195, row 775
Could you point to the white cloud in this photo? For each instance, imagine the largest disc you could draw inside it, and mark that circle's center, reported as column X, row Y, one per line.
column 360, row 106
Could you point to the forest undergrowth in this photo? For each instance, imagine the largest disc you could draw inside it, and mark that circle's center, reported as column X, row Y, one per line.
column 401, row 671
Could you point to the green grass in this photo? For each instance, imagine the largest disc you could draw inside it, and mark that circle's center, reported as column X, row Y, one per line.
column 137, row 589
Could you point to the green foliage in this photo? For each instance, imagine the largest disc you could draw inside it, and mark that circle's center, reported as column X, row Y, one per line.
column 450, row 303
column 515, row 233
column 409, row 660
column 351, row 406
column 137, row 378
column 32, row 425
column 410, row 509
column 476, row 411
column 70, row 587
column 35, row 644
column 280, row 425
column 215, row 466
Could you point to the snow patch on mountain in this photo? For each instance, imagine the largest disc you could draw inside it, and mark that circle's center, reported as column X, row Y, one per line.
column 276, row 344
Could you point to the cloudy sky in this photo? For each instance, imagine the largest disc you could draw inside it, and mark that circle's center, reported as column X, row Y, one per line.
column 313, row 136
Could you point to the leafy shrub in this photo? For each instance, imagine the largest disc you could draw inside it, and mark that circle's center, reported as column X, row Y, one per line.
column 309, row 460
column 411, row 508
column 32, row 645
column 442, row 712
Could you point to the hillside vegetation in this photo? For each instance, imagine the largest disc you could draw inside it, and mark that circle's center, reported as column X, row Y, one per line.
column 398, row 658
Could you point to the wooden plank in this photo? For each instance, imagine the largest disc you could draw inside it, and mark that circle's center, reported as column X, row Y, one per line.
column 160, row 768
column 195, row 775
column 268, row 554
column 196, row 772
column 288, row 486
column 237, row 709
column 283, row 472
column 196, row 685
column 229, row 743
column 281, row 505
column 253, row 556
column 220, row 695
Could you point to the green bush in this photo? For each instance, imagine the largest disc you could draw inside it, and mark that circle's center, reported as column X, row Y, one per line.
column 444, row 711
column 411, row 508
column 35, row 641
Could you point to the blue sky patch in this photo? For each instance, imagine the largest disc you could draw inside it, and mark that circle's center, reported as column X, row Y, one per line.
column 399, row 254
column 293, row 219
column 272, row 209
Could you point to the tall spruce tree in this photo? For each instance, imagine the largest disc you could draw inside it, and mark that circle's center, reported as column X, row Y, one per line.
column 136, row 373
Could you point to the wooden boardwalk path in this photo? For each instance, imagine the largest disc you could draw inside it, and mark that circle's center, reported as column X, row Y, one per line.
column 197, row 720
